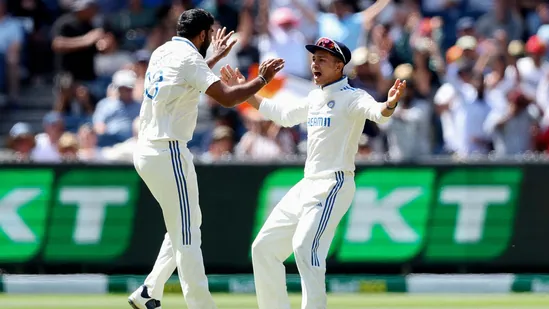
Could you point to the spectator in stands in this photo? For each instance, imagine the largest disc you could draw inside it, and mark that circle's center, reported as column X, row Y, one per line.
column 458, row 111
column 341, row 23
column 113, row 116
column 110, row 58
column 370, row 72
column 503, row 16
column 497, row 85
column 307, row 27
column 532, row 68
column 281, row 38
column 36, row 18
column 74, row 41
column 468, row 46
column 73, row 101
column 264, row 141
column 512, row 130
column 450, row 11
column 68, row 147
column 136, row 20
column 21, row 141
column 46, row 149
column 536, row 19
column 123, row 152
column 11, row 41
column 408, row 130
column 386, row 35
column 88, row 150
column 221, row 147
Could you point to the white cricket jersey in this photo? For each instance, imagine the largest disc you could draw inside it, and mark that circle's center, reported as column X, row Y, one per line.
column 335, row 116
column 176, row 76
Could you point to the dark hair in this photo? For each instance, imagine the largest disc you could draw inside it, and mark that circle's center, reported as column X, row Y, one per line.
column 194, row 21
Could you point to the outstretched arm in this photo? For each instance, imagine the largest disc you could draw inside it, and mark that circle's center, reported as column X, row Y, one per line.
column 286, row 115
column 196, row 73
column 365, row 106
column 373, row 11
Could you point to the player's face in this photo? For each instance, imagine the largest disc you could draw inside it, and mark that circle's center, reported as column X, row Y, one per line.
column 207, row 41
column 325, row 67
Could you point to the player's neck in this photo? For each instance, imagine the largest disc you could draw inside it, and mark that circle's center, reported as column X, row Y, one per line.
column 195, row 41
column 333, row 81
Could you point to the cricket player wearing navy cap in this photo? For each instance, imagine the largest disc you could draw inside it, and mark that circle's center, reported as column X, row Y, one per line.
column 305, row 220
column 176, row 75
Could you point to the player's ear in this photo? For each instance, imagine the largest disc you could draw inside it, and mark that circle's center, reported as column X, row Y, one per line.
column 339, row 66
column 203, row 35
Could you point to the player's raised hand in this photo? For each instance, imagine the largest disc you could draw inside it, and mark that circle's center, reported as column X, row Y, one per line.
column 270, row 67
column 232, row 77
column 396, row 92
column 220, row 42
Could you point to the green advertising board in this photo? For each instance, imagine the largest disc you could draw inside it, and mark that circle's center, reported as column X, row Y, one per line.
column 398, row 214
column 83, row 215
column 25, row 197
column 427, row 218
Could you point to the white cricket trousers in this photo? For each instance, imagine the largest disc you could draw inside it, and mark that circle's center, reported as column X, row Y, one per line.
column 167, row 169
column 303, row 222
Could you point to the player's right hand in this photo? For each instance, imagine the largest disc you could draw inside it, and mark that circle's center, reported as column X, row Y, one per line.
column 269, row 68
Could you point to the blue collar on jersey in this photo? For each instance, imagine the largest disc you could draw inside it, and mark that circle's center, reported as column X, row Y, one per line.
column 181, row 39
column 336, row 85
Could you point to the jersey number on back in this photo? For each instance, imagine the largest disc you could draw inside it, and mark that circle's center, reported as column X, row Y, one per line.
column 151, row 83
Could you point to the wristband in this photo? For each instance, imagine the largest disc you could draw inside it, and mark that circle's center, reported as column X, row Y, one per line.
column 262, row 79
column 391, row 108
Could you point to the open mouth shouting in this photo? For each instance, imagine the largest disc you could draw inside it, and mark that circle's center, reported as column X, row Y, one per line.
column 317, row 74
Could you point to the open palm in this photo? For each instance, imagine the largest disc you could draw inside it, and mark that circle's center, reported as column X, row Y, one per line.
column 232, row 77
column 396, row 92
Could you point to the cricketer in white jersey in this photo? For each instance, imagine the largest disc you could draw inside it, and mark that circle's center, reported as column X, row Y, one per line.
column 176, row 76
column 305, row 220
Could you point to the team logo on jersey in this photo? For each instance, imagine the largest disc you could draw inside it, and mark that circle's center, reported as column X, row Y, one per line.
column 331, row 104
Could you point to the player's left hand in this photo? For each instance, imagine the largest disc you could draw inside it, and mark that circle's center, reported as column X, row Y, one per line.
column 220, row 42
column 232, row 77
column 396, row 92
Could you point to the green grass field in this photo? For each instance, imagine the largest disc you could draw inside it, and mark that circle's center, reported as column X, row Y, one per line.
column 336, row 301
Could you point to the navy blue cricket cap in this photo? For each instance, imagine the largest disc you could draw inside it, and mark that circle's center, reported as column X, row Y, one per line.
column 336, row 48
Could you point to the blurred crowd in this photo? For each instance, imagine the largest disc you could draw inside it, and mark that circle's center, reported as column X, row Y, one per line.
column 477, row 72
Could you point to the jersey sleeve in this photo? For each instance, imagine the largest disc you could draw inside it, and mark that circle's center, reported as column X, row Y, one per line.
column 364, row 106
column 286, row 115
column 195, row 72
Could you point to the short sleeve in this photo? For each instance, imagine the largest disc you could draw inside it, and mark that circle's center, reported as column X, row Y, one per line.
column 195, row 71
